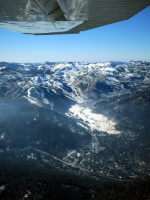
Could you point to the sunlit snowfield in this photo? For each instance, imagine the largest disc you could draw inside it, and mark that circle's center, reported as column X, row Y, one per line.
column 81, row 117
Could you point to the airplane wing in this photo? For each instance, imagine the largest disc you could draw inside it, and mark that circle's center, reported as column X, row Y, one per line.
column 65, row 16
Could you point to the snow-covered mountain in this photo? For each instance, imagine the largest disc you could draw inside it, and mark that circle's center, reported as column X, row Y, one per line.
column 77, row 81
column 91, row 110
column 83, row 83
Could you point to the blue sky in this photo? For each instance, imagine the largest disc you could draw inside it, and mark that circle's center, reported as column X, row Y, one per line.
column 122, row 41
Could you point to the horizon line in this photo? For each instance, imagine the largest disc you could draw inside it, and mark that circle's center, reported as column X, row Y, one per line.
column 43, row 62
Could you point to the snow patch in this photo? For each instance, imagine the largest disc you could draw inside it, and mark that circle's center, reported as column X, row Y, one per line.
column 92, row 120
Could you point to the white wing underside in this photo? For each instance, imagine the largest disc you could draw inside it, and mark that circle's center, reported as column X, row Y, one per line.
column 65, row 16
